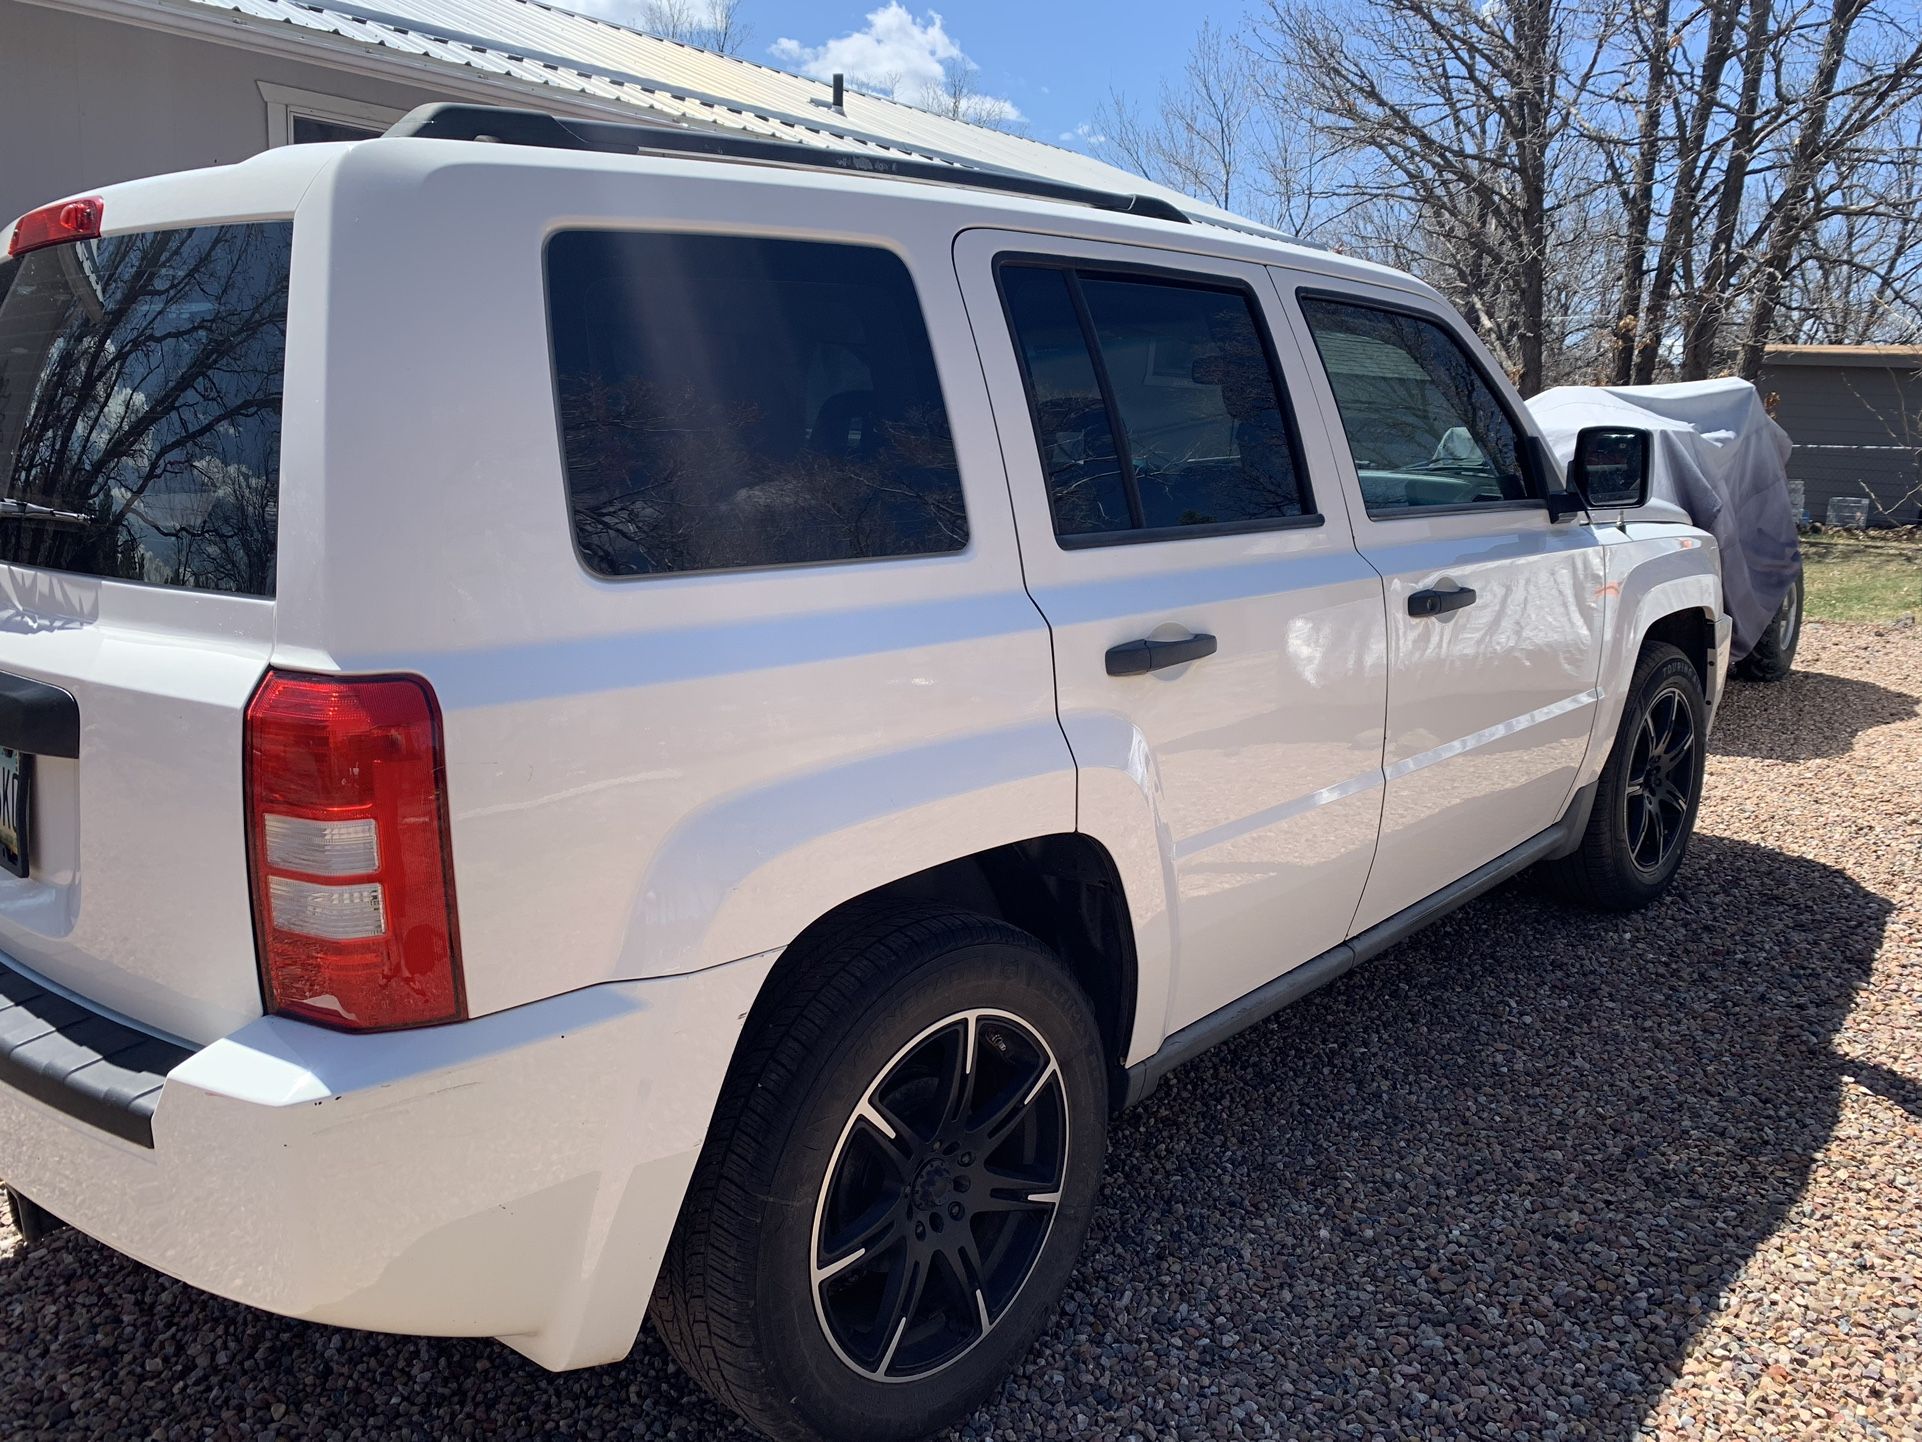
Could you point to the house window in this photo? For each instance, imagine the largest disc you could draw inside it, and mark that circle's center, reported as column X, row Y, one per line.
column 303, row 117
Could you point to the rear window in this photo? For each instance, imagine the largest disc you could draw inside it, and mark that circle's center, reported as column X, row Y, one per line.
column 140, row 380
column 728, row 402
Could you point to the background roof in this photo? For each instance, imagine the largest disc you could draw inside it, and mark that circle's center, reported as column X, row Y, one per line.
column 579, row 64
column 1891, row 357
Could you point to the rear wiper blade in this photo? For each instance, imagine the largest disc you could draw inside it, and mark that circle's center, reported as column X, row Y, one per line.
column 11, row 509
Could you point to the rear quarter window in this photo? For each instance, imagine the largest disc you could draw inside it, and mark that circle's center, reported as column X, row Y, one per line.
column 140, row 392
column 729, row 402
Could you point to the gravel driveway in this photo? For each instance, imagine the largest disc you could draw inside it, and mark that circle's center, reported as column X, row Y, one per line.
column 1530, row 1174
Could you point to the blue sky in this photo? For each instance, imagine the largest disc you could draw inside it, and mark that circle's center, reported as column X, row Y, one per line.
column 1053, row 61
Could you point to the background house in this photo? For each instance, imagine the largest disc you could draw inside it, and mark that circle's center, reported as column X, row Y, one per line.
column 1855, row 415
column 98, row 91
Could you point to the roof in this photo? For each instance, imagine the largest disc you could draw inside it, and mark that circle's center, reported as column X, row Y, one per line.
column 1875, row 357
column 539, row 55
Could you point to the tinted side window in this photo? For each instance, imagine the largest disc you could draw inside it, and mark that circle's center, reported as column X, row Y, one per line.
column 1085, row 486
column 1423, row 424
column 728, row 401
column 1155, row 402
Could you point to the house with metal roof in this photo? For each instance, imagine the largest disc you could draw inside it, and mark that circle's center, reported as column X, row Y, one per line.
column 98, row 91
column 1855, row 415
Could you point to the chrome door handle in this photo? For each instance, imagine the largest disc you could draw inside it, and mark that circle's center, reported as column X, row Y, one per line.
column 1138, row 658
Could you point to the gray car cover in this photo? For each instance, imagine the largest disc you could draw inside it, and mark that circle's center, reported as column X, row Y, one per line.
column 1718, row 456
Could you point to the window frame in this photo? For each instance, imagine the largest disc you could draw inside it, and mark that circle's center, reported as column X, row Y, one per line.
column 1528, row 445
column 285, row 102
column 961, row 553
column 1138, row 534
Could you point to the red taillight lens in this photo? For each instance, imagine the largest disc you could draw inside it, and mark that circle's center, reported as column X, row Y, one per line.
column 347, row 839
column 51, row 224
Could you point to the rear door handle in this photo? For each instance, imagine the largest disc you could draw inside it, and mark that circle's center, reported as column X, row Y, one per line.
column 1436, row 603
column 1138, row 658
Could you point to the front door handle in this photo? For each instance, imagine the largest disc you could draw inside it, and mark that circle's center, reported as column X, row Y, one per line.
column 1138, row 658
column 1436, row 603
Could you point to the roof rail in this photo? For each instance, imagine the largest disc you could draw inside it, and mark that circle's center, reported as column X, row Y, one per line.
column 506, row 125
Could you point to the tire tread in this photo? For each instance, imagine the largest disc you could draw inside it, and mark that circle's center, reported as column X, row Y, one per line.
column 1592, row 876
column 712, row 1251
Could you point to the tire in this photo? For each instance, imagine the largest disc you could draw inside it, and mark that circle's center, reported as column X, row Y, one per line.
column 1774, row 655
column 1620, row 865
column 765, row 1296
column 32, row 1221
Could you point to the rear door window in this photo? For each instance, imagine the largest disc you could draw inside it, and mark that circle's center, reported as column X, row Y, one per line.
column 1156, row 404
column 728, row 401
column 140, row 390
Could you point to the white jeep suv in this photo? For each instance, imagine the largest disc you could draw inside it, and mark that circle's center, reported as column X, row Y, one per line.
column 598, row 719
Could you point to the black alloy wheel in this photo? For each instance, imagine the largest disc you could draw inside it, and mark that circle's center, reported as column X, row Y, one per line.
column 897, row 1179
column 940, row 1196
column 1656, row 801
column 1646, row 797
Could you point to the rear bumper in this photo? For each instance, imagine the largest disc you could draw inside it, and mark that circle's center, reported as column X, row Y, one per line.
column 514, row 1176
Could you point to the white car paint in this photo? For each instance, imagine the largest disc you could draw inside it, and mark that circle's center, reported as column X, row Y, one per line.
column 1490, row 708
column 656, row 784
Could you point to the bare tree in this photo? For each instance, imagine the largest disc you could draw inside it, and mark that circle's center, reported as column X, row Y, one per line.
column 1849, row 97
column 1461, row 114
column 958, row 98
column 1625, row 190
column 1199, row 135
column 711, row 24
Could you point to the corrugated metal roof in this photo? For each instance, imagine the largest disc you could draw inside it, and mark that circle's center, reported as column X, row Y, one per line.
column 609, row 68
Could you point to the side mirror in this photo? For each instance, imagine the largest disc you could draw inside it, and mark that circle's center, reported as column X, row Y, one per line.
column 1609, row 470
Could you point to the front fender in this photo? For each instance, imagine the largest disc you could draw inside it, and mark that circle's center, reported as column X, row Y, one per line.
column 1652, row 573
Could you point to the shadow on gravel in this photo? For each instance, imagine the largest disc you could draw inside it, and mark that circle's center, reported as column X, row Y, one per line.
column 1810, row 714
column 1488, row 1185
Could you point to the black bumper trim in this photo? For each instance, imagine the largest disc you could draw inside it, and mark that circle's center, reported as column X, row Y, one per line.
column 38, row 718
column 95, row 1069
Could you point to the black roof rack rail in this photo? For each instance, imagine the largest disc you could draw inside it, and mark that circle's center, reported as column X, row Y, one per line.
column 506, row 125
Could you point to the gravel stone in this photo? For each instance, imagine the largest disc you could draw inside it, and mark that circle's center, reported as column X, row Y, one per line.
column 1534, row 1173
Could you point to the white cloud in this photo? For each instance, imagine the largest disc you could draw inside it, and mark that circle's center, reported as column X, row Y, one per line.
column 895, row 54
column 1083, row 135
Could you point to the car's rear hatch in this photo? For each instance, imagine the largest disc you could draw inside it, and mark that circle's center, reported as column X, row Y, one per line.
column 140, row 403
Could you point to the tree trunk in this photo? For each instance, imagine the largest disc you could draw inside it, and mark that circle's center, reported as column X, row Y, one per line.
column 1679, row 234
column 1796, row 208
column 1708, row 308
column 1536, row 70
column 1641, row 195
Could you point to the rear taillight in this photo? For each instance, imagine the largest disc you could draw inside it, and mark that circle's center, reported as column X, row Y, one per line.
column 52, row 224
column 347, row 839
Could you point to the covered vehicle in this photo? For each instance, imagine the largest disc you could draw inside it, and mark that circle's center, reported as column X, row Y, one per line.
column 1720, row 458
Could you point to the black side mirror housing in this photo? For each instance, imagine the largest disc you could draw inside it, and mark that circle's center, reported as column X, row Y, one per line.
column 1610, row 468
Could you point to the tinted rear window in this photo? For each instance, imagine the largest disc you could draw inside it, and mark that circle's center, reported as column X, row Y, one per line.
column 140, row 380
column 728, row 401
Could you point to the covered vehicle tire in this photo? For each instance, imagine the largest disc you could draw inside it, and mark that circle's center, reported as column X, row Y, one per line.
column 1646, row 797
column 1774, row 655
column 896, row 1183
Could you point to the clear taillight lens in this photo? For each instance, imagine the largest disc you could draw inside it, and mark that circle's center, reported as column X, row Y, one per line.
column 347, row 838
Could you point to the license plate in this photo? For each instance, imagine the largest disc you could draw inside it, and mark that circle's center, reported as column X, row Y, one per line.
column 16, row 813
